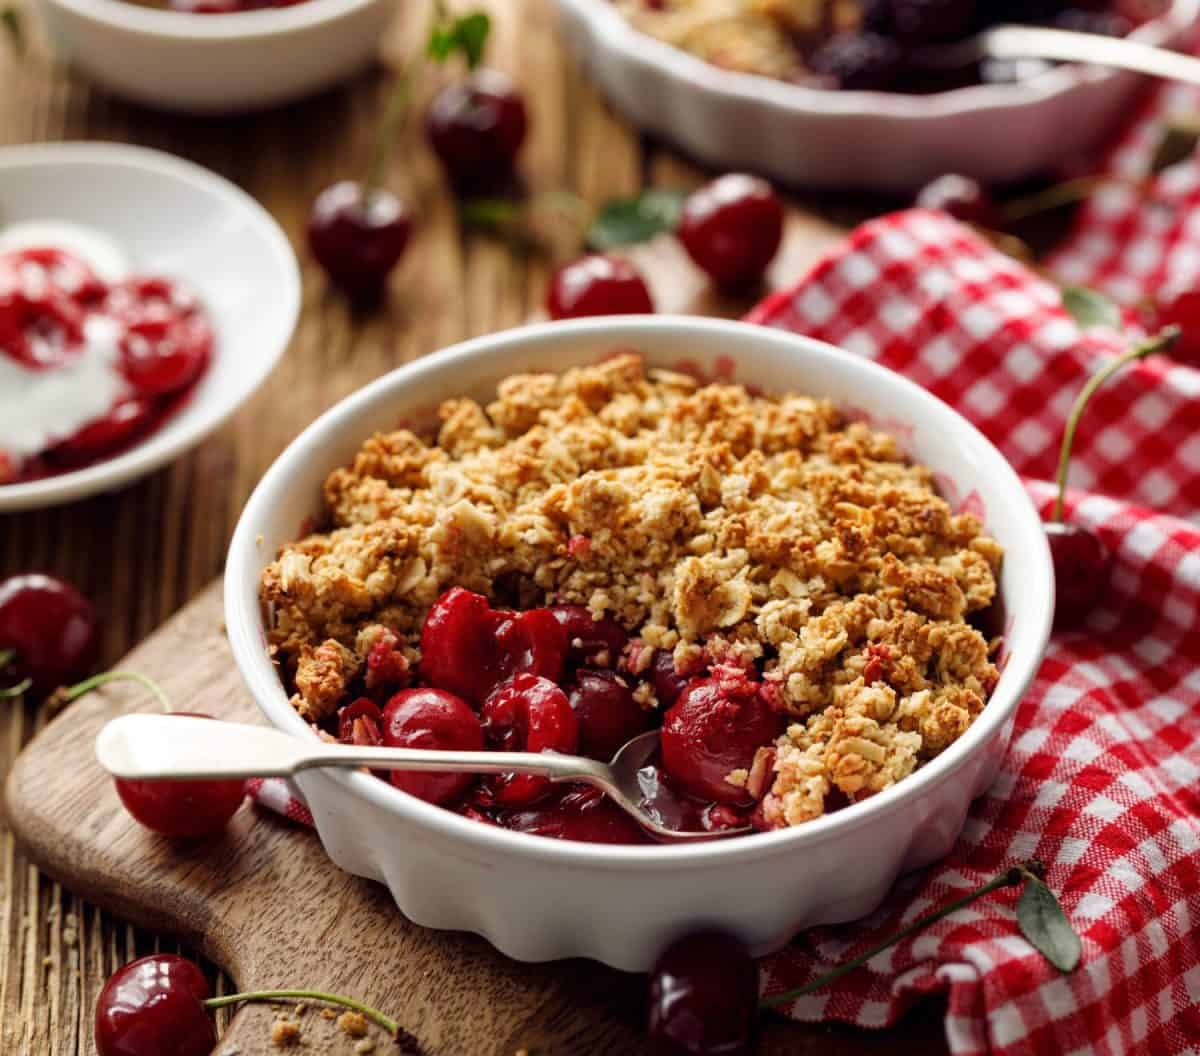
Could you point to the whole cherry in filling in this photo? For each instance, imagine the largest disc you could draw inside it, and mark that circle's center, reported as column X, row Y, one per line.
column 582, row 813
column 714, row 728
column 607, row 713
column 528, row 713
column 469, row 648
column 431, row 718
column 591, row 642
column 182, row 809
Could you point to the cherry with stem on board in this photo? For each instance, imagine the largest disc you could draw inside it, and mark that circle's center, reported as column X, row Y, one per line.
column 176, row 809
column 161, row 1006
column 1081, row 560
column 48, row 634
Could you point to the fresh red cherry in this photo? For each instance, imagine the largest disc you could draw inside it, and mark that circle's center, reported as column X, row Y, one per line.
column 607, row 713
column 476, row 127
column 596, row 643
column 597, row 285
column 668, row 682
column 528, row 714
column 118, row 426
column 168, row 340
column 704, row 997
column 358, row 242
column 732, row 228
column 50, row 630
column 963, row 198
column 714, row 728
column 469, row 648
column 1181, row 308
column 431, row 718
column 182, row 809
column 1081, row 565
column 583, row 814
column 155, row 1007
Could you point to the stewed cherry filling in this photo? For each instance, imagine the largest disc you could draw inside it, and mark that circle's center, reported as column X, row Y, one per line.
column 557, row 680
column 88, row 368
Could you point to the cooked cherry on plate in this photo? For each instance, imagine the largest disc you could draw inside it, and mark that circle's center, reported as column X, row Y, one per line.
column 88, row 367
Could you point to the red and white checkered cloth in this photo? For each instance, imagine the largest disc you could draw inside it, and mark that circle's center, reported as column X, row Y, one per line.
column 1102, row 781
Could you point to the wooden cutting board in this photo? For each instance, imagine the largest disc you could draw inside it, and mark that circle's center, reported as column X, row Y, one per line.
column 264, row 902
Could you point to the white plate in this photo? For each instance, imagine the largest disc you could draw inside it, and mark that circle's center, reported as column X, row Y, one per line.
column 172, row 218
column 883, row 141
column 218, row 63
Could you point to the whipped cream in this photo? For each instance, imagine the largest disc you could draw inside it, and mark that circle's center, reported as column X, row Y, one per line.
column 40, row 408
column 96, row 249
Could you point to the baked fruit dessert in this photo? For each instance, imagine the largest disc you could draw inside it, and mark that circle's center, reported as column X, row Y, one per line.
column 615, row 548
column 88, row 367
column 874, row 45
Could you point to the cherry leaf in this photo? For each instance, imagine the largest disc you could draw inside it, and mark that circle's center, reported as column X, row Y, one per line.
column 1089, row 308
column 1177, row 143
column 625, row 221
column 467, row 35
column 14, row 28
column 1043, row 922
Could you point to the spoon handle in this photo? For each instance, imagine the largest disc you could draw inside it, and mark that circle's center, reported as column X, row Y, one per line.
column 1032, row 42
column 181, row 748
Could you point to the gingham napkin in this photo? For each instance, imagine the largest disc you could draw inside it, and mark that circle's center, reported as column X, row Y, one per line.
column 1102, row 781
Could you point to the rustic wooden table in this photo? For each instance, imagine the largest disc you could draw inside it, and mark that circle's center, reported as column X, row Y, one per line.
column 143, row 552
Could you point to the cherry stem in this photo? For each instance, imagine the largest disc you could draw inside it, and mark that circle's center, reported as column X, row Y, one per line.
column 7, row 656
column 1160, row 342
column 373, row 1014
column 1018, row 874
column 1066, row 193
column 65, row 696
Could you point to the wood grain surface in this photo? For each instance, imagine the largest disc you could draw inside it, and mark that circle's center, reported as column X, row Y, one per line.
column 143, row 552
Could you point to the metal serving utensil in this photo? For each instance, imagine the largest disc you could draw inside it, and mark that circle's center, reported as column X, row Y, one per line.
column 1036, row 42
column 180, row 748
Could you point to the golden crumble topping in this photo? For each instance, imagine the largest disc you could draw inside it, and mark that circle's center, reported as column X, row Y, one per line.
column 710, row 521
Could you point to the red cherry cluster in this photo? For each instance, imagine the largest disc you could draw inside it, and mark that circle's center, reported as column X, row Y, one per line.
column 730, row 227
column 556, row 679
column 48, row 297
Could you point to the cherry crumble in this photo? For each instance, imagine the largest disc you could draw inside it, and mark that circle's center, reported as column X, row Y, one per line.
column 616, row 548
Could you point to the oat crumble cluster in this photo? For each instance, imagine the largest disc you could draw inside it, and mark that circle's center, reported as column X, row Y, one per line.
column 733, row 529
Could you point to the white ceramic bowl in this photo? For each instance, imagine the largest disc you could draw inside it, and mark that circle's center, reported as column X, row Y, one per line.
column 173, row 218
column 218, row 63
column 882, row 141
column 537, row 898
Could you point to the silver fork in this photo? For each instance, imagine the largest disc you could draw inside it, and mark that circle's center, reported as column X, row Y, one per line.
column 179, row 748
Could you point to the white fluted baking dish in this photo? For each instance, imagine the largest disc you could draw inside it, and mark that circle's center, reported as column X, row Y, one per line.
column 537, row 898
column 883, row 141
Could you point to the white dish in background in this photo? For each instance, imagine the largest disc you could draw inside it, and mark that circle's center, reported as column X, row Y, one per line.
column 539, row 899
column 168, row 217
column 218, row 63
column 881, row 141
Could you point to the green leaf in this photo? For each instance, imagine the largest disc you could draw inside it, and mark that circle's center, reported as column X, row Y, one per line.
column 1045, row 925
column 467, row 35
column 14, row 29
column 1089, row 308
column 625, row 221
column 1177, row 143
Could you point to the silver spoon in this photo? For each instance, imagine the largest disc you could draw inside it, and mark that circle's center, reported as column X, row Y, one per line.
column 179, row 748
column 1035, row 42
